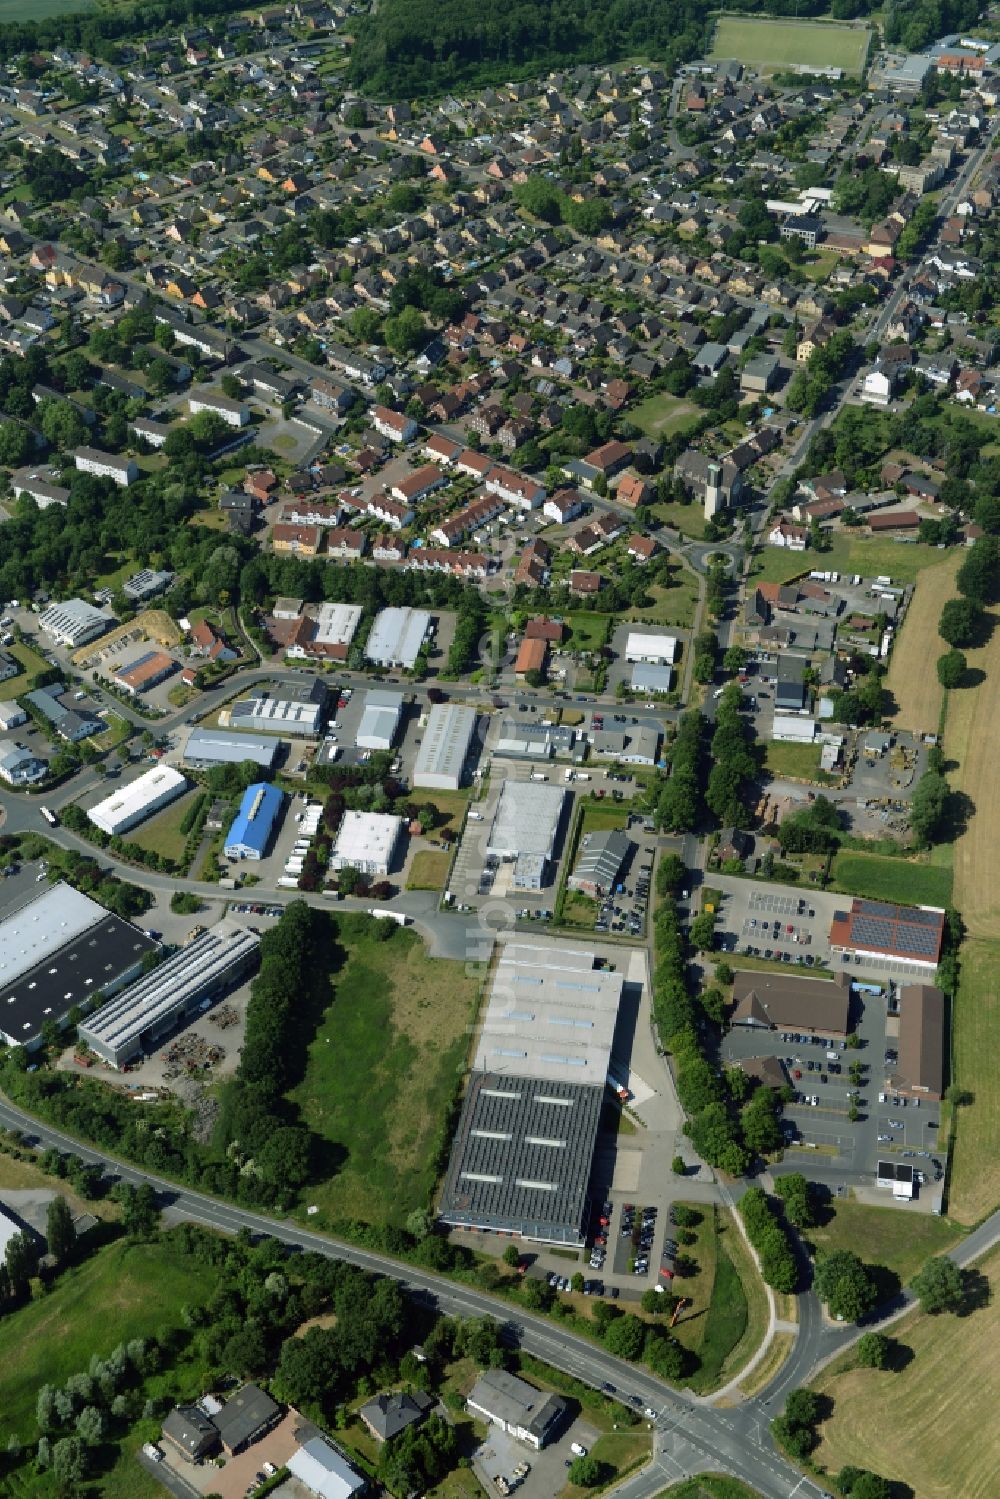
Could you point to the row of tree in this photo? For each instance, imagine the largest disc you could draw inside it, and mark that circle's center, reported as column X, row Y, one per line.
column 770, row 1239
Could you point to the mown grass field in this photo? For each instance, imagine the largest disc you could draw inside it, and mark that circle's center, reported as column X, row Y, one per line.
column 382, row 1069
column 588, row 631
column 778, row 44
column 40, row 10
column 878, row 1236
column 688, row 519
column 670, row 606
column 428, row 870
column 798, row 760
column 872, row 557
column 972, row 731
column 663, row 414
column 932, row 1424
column 912, row 679
column 162, row 833
column 907, row 881
column 974, row 1189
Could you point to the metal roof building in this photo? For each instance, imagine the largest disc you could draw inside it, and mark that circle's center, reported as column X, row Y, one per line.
column 444, row 750
column 59, row 950
column 254, row 823
column 208, row 747
column 525, row 739
column 74, row 622
column 655, row 649
column 647, row 678
column 599, row 862
column 133, row 803
column 379, row 719
column 397, row 635
column 522, row 1154
column 140, row 1016
column 277, row 716
column 324, row 1471
column 525, row 827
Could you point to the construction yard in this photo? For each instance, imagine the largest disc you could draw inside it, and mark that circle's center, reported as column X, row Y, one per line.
column 912, row 679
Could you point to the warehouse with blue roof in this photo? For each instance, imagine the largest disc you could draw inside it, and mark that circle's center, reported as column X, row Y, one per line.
column 254, row 823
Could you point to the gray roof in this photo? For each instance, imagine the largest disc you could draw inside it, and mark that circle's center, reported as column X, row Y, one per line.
column 214, row 747
column 445, row 745
column 527, row 819
column 515, row 1402
column 397, row 635
column 380, row 718
column 648, row 678
column 601, row 857
column 387, row 1415
column 244, row 1415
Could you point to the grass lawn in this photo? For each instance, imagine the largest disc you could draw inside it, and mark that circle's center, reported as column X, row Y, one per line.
column 709, row 1486
column 912, row 679
column 40, row 10
column 124, row 1291
column 117, row 732
column 598, row 816
column 579, row 910
column 23, row 1176
column 688, row 519
column 776, row 44
column 880, row 1238
column 870, row 556
column 674, row 605
column 382, row 1070
column 588, row 631
column 451, row 806
column 428, row 870
column 618, row 1451
column 972, row 730
column 881, row 1420
column 162, row 833
column 800, row 760
column 31, row 663
column 974, row 1188
column 691, row 1325
column 761, row 1375
column 904, row 880
column 818, row 266
column 663, row 415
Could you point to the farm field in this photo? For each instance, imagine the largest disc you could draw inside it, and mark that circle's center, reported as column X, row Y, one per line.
column 971, row 733
column 872, row 557
column 403, row 1022
column 777, row 44
column 975, row 1177
column 882, row 1420
column 40, row 10
column 877, row 1235
column 912, row 679
column 903, row 880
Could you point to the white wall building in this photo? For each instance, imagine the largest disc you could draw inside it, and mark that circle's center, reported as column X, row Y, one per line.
column 233, row 413
column 367, row 841
column 123, row 471
column 380, row 719
column 397, row 635
column 132, row 804
column 74, row 623
column 654, row 650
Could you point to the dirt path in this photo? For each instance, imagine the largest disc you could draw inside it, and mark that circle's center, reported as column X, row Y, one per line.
column 912, row 678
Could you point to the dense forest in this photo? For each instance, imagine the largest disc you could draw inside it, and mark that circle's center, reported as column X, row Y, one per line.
column 409, row 48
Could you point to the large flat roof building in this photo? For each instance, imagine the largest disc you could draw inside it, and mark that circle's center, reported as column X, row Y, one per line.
column 523, row 1150
column 657, row 650
column 58, row 950
column 208, row 747
column 525, row 828
column 444, row 751
column 379, row 719
column 274, row 715
column 367, row 841
column 74, row 623
column 397, row 635
column 138, row 1018
column 132, row 804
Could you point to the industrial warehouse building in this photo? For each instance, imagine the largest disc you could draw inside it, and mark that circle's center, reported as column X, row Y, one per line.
column 525, row 828
column 132, row 804
column 137, row 1019
column 379, row 719
column 873, row 931
column 655, row 679
column 74, row 623
column 523, row 1150
column 208, row 747
column 59, row 950
column 444, row 752
column 599, row 862
column 302, row 719
column 654, row 650
column 253, row 824
column 397, row 636
column 367, row 842
column 919, row 1069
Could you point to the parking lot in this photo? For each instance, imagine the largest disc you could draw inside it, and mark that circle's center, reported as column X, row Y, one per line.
column 751, row 911
column 501, row 1457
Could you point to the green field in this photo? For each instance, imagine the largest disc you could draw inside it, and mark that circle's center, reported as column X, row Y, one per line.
column 798, row 760
column 40, row 10
column 663, row 414
column 778, row 44
column 876, row 1235
column 902, row 561
column 162, row 833
column 902, row 880
column 382, row 1070
column 974, row 1188
column 688, row 519
column 124, row 1291
column 709, row 1486
column 429, row 869
column 579, row 910
column 588, row 631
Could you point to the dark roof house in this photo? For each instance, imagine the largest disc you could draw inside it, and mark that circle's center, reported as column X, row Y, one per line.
column 387, row 1415
column 245, row 1417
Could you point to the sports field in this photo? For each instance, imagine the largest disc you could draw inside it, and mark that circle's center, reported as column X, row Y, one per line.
column 779, row 44
column 912, row 677
column 932, row 1424
column 972, row 732
column 975, row 1169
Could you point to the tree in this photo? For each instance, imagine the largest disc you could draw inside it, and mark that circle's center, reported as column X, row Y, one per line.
column 959, row 622
column 60, row 1235
column 585, row 1472
column 677, row 1165
column 929, row 806
column 860, row 1483
column 796, row 1194
column 140, row 1215
column 68, row 1461
column 624, row 1337
column 61, row 424
column 951, row 669
column 15, row 444
column 406, row 332
column 939, row 1286
column 735, row 658
column 21, row 1262
column 91, row 1425
column 702, row 932
column 511, row 1256
column 873, row 1350
column 977, row 578
column 845, row 1284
